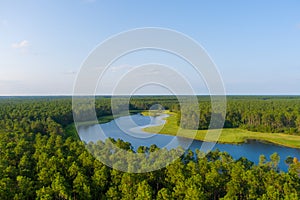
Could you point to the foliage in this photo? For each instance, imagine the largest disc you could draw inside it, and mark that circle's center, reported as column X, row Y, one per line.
column 259, row 114
column 39, row 159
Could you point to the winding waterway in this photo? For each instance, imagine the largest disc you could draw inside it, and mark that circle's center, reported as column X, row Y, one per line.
column 131, row 131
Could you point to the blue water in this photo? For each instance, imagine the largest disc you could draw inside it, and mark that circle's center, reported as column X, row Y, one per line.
column 129, row 129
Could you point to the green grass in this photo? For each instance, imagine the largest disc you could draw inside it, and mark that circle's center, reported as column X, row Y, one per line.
column 153, row 113
column 228, row 135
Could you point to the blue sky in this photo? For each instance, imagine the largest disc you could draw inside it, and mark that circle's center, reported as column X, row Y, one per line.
column 255, row 44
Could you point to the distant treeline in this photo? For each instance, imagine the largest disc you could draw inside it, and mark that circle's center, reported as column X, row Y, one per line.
column 261, row 114
column 255, row 113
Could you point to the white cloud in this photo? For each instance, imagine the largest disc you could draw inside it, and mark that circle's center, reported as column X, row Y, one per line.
column 20, row 45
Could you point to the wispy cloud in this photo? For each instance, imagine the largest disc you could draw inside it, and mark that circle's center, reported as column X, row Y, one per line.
column 20, row 45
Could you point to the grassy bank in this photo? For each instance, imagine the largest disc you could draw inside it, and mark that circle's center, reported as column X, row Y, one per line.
column 229, row 135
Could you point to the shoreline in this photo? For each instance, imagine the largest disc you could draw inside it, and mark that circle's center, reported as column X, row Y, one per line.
column 233, row 136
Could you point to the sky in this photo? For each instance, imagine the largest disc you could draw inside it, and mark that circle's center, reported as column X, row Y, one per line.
column 254, row 44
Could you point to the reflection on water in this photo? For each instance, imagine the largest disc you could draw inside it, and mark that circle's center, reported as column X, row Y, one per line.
column 129, row 129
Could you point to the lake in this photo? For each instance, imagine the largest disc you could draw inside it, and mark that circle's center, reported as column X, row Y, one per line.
column 131, row 131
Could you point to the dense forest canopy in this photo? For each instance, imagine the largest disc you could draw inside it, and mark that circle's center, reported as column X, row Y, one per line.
column 254, row 113
column 40, row 158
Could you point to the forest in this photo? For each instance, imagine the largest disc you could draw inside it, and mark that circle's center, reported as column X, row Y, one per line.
column 261, row 114
column 41, row 158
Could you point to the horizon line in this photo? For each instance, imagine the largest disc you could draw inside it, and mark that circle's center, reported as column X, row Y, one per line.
column 110, row 95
